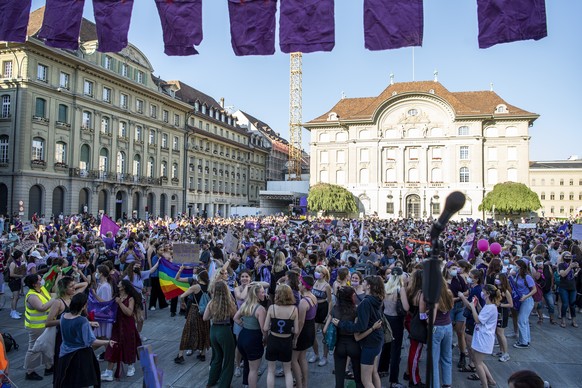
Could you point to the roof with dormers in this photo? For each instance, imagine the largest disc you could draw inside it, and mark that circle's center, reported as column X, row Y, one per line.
column 88, row 28
column 191, row 95
column 265, row 128
column 464, row 103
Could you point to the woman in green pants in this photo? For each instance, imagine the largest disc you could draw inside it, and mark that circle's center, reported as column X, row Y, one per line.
column 220, row 311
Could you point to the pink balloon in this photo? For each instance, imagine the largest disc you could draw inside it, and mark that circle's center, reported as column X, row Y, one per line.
column 483, row 245
column 495, row 248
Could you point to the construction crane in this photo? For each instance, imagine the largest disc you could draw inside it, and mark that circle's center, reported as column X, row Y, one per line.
column 295, row 117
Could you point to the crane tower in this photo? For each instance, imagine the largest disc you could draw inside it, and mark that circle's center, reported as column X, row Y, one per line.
column 295, row 116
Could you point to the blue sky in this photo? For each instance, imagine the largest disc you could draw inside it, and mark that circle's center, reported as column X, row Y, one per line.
column 544, row 77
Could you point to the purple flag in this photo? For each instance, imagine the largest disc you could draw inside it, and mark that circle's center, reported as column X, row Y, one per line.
column 103, row 311
column 252, row 26
column 503, row 21
column 468, row 246
column 108, row 225
column 182, row 25
column 392, row 24
column 306, row 26
column 14, row 16
column 112, row 19
column 62, row 23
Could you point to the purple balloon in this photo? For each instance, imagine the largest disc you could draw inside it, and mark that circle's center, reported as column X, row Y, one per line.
column 483, row 245
column 495, row 248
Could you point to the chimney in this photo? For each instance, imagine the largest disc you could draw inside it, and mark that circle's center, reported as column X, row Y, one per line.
column 222, row 102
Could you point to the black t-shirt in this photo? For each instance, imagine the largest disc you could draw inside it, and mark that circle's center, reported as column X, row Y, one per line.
column 335, row 313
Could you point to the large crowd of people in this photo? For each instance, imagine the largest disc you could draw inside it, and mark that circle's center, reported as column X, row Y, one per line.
column 293, row 292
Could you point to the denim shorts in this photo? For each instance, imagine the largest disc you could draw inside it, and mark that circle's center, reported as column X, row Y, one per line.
column 457, row 313
column 369, row 354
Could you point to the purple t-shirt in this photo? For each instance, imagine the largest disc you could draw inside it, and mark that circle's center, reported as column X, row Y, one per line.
column 524, row 286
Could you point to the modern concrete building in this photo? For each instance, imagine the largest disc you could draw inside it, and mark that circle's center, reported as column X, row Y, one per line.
column 558, row 184
column 402, row 152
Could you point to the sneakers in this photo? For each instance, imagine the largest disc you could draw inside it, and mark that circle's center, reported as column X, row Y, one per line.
column 504, row 357
column 107, row 375
column 280, row 372
column 152, row 308
column 201, row 357
column 33, row 376
column 498, row 354
column 237, row 372
column 313, row 358
column 517, row 345
column 179, row 360
column 322, row 362
column 49, row 371
column 130, row 371
column 101, row 357
column 14, row 315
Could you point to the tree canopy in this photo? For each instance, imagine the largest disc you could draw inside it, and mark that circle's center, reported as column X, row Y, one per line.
column 331, row 198
column 511, row 197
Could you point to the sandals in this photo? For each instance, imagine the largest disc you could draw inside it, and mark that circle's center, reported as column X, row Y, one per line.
column 574, row 324
column 540, row 321
column 553, row 321
column 563, row 325
column 468, row 368
column 473, row 377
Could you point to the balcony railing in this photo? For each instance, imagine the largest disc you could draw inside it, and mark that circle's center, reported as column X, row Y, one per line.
column 114, row 177
column 40, row 119
column 63, row 125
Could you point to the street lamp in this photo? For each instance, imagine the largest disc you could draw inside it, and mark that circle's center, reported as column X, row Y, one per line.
column 187, row 133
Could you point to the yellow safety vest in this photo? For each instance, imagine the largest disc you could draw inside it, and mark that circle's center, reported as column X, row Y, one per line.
column 35, row 319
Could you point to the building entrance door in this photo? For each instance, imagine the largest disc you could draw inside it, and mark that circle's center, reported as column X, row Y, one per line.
column 413, row 206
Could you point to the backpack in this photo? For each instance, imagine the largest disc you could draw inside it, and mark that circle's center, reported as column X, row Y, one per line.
column 9, row 342
column 204, row 299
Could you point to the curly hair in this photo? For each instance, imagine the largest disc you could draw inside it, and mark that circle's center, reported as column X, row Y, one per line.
column 222, row 305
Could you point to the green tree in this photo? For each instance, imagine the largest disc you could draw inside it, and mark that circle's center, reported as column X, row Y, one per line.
column 331, row 198
column 511, row 197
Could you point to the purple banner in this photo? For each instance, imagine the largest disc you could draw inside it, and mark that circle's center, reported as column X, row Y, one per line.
column 181, row 24
column 14, row 16
column 392, row 24
column 62, row 23
column 112, row 19
column 252, row 26
column 503, row 21
column 103, row 311
column 307, row 26
column 252, row 225
column 108, row 225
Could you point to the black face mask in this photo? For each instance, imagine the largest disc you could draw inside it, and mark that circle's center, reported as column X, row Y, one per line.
column 136, row 270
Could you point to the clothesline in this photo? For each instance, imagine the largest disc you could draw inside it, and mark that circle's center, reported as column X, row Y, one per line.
column 304, row 26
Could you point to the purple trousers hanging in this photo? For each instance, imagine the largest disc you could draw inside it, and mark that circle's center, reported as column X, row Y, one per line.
column 181, row 24
column 391, row 24
column 62, row 23
column 306, row 26
column 14, row 16
column 502, row 21
column 112, row 19
column 252, row 26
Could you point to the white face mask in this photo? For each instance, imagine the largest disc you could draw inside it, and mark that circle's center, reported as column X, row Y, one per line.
column 42, row 282
column 453, row 272
column 97, row 276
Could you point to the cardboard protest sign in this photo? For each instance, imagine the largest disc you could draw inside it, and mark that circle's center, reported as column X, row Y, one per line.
column 186, row 253
column 230, row 242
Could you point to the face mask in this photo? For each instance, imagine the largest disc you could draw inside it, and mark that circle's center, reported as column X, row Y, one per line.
column 317, row 275
column 309, row 251
column 453, row 272
column 42, row 282
column 101, row 250
column 482, row 295
column 136, row 270
column 506, row 261
column 469, row 280
column 497, row 282
column 355, row 283
column 97, row 276
column 82, row 266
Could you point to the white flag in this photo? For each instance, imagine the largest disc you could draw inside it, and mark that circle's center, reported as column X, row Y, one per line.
column 362, row 231
column 351, row 236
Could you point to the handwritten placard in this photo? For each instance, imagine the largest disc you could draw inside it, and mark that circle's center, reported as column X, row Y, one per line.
column 230, row 242
column 577, row 232
column 186, row 253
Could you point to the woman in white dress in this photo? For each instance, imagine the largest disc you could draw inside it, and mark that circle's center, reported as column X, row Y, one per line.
column 104, row 293
column 484, row 334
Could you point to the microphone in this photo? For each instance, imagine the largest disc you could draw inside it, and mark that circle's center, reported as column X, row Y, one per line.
column 431, row 278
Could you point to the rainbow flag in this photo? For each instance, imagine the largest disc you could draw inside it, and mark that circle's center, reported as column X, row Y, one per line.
column 167, row 273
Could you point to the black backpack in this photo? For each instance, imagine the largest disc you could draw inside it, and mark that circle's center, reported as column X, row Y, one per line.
column 9, row 342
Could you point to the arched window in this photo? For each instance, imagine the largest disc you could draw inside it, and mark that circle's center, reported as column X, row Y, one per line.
column 85, row 162
column 122, row 129
column 121, row 162
column 464, row 175
column 324, row 137
column 436, row 175
column 104, row 160
column 5, row 107
column 137, row 165
column 413, row 175
column 324, row 176
column 61, row 152
column 138, row 133
column 151, row 168
column 38, row 148
column 164, row 169
column 40, row 110
column 492, row 176
column 340, row 177
column 364, row 176
column 512, row 174
column 391, row 175
column 463, row 131
column 175, row 171
column 543, row 196
column 341, row 136
column 105, row 124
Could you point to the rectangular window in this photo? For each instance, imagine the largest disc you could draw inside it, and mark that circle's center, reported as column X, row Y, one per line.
column 108, row 62
column 63, row 114
column 140, row 77
column 37, row 149
column 390, row 153
column 164, row 140
column 139, row 106
column 437, row 153
column 7, row 69
column 42, row 73
column 413, row 153
column 87, row 120
column 88, row 88
column 341, row 156
column 3, row 149
column 106, row 94
column 123, row 101
column 324, row 157
column 492, row 154
column 61, row 152
column 390, row 207
column 124, row 70
column 153, row 111
column 177, row 120
column 200, row 124
column 364, row 155
column 64, row 80
column 511, row 153
column 5, row 106
column 138, row 133
column 464, row 153
column 152, row 137
column 176, row 143
column 165, row 116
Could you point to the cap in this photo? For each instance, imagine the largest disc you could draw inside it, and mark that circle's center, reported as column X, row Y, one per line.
column 219, row 242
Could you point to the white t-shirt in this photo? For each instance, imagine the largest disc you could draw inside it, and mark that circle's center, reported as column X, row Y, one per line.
column 484, row 334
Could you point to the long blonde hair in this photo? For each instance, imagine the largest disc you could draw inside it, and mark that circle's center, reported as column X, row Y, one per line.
column 248, row 307
column 279, row 262
column 394, row 282
column 222, row 306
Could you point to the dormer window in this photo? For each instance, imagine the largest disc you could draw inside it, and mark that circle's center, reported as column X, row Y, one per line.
column 501, row 108
column 196, row 106
column 332, row 116
column 413, row 112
